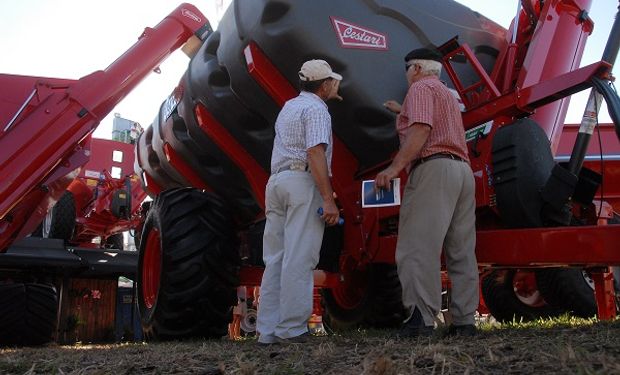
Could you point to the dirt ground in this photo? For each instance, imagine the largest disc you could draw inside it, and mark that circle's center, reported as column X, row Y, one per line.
column 591, row 348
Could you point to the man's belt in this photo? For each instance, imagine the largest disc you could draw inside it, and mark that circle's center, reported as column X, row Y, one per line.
column 441, row 155
column 293, row 167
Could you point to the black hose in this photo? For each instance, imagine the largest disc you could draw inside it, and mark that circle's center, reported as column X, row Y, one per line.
column 612, row 100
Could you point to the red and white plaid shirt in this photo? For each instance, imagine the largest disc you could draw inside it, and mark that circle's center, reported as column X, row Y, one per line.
column 430, row 102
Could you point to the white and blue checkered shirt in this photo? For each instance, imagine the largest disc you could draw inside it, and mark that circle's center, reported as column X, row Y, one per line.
column 303, row 122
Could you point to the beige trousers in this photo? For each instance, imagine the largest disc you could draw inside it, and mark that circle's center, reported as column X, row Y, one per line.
column 438, row 211
column 291, row 249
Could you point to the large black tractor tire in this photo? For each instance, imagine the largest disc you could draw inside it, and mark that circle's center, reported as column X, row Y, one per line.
column 372, row 298
column 569, row 289
column 503, row 303
column 387, row 310
column 522, row 165
column 188, row 267
column 28, row 314
column 60, row 220
column 115, row 241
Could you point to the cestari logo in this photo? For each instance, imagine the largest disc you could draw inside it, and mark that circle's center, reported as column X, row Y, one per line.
column 354, row 36
column 191, row 15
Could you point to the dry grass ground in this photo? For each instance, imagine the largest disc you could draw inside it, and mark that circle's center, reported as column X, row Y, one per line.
column 561, row 346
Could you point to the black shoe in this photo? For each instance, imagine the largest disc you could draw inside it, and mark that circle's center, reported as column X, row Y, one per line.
column 301, row 339
column 414, row 327
column 465, row 330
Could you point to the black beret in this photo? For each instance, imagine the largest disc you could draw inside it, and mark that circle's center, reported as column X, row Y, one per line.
column 423, row 54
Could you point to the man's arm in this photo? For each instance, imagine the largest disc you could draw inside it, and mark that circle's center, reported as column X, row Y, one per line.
column 411, row 148
column 318, row 167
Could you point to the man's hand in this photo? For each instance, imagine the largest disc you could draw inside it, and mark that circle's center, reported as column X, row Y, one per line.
column 393, row 106
column 330, row 212
column 382, row 181
column 318, row 166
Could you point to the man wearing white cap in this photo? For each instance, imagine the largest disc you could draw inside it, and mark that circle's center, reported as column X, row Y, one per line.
column 299, row 185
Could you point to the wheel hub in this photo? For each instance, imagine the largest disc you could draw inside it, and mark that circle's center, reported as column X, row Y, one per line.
column 248, row 323
column 526, row 289
column 350, row 293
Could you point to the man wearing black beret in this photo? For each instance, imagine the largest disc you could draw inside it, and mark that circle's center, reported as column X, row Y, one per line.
column 438, row 206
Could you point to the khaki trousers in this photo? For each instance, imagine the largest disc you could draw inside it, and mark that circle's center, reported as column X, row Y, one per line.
column 291, row 250
column 438, row 211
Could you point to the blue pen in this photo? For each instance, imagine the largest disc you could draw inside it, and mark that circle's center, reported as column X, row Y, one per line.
column 320, row 212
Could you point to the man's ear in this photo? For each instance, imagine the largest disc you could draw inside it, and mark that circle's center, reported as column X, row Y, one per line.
column 323, row 88
column 326, row 85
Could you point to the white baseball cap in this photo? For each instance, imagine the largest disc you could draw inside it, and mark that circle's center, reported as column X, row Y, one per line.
column 316, row 70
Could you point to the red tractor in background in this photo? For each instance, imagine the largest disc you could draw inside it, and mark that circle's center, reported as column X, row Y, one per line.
column 45, row 138
column 103, row 201
column 542, row 226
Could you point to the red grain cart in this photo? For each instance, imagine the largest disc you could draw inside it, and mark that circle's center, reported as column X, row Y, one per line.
column 206, row 158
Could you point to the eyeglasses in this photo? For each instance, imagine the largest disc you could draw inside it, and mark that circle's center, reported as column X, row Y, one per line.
column 407, row 66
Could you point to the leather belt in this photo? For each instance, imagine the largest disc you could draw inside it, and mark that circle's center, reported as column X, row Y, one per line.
column 293, row 167
column 441, row 155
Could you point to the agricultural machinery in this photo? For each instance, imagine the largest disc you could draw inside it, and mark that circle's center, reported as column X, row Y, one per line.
column 101, row 203
column 544, row 224
column 545, row 238
column 67, row 189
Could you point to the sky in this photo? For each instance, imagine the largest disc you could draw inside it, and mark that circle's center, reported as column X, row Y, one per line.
column 73, row 38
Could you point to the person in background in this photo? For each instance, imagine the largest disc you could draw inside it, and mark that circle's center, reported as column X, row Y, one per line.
column 438, row 205
column 298, row 186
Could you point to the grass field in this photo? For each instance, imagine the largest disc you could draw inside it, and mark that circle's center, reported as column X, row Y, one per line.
column 559, row 346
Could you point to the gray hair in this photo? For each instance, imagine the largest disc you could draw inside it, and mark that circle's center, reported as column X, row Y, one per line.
column 428, row 67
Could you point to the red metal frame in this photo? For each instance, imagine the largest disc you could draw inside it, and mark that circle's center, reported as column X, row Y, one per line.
column 604, row 293
column 549, row 246
column 522, row 102
column 476, row 93
column 40, row 131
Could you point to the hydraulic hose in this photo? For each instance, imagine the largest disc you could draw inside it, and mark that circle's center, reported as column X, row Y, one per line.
column 612, row 100
column 600, row 90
